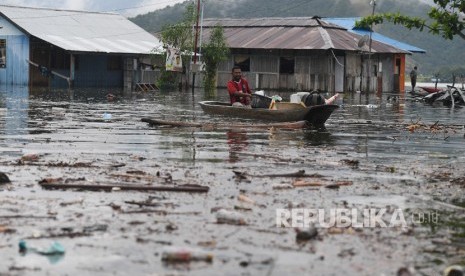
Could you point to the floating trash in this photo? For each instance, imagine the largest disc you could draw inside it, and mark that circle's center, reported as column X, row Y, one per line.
column 230, row 217
column 4, row 178
column 177, row 254
column 454, row 270
column 306, row 234
column 54, row 252
column 106, row 116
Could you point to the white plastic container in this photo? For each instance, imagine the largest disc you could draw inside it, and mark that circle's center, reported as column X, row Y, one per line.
column 297, row 97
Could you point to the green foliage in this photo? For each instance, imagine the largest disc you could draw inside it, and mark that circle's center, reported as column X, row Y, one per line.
column 396, row 18
column 167, row 80
column 214, row 51
column 154, row 21
column 179, row 35
column 446, row 17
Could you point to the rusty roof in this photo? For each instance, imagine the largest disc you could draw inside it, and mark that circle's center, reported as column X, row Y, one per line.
column 292, row 33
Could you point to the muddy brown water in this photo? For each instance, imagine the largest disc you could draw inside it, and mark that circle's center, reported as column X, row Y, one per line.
column 369, row 145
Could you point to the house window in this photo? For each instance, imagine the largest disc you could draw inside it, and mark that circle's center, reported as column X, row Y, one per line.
column 243, row 62
column 286, row 65
column 114, row 63
column 2, row 53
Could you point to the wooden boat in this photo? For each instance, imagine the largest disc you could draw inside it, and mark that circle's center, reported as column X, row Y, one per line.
column 226, row 125
column 285, row 112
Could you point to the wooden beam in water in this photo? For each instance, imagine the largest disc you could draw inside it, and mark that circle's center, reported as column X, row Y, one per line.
column 189, row 188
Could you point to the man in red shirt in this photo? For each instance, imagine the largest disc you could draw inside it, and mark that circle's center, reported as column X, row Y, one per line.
column 238, row 88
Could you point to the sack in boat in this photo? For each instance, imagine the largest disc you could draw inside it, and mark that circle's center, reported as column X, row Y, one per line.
column 312, row 99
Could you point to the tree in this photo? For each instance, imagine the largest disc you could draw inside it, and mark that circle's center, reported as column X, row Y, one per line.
column 446, row 19
column 179, row 36
column 215, row 51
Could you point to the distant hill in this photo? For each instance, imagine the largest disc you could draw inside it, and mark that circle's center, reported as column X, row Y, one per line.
column 440, row 53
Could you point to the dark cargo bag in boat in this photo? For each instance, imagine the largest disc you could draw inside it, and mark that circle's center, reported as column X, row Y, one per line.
column 259, row 101
column 312, row 99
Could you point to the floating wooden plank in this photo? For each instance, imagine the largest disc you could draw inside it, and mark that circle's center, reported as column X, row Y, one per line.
column 299, row 173
column 189, row 188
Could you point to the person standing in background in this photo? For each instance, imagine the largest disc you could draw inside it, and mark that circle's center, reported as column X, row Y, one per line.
column 413, row 77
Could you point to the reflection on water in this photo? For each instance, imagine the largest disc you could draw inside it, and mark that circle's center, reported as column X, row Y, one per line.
column 318, row 137
column 237, row 142
column 14, row 107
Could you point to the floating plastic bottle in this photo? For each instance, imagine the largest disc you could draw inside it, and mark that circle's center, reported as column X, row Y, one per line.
column 54, row 253
column 178, row 254
column 55, row 249
column 230, row 217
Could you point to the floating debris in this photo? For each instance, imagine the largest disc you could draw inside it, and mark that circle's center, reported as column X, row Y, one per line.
column 282, row 186
column 178, row 254
column 4, row 178
column 229, row 217
column 31, row 157
column 454, row 270
column 306, row 234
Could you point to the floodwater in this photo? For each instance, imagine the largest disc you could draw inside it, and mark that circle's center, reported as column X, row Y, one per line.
column 385, row 151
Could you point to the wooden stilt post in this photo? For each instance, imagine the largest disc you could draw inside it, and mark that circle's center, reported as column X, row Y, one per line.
column 195, row 46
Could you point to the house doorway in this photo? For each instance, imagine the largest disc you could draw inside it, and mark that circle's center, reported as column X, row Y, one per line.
column 40, row 54
column 399, row 76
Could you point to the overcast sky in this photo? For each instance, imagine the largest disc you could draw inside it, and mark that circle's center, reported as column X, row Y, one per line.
column 124, row 7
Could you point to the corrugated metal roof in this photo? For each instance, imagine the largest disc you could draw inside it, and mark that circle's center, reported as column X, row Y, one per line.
column 349, row 23
column 271, row 22
column 81, row 31
column 295, row 33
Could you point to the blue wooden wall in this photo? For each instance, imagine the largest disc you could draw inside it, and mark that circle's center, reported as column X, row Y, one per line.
column 17, row 51
column 91, row 72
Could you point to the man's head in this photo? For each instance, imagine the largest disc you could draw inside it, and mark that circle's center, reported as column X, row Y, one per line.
column 415, row 68
column 236, row 73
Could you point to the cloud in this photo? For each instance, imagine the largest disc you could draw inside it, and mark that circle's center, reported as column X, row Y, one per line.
column 34, row 3
column 145, row 6
column 77, row 4
column 124, row 7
